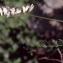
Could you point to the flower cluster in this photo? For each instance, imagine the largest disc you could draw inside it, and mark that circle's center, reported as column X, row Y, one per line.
column 5, row 10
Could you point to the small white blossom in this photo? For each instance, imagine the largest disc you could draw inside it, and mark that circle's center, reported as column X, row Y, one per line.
column 4, row 10
column 25, row 9
column 18, row 11
column 1, row 12
column 8, row 14
column 31, row 8
column 12, row 11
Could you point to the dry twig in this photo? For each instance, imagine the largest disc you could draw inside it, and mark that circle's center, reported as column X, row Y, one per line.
column 52, row 59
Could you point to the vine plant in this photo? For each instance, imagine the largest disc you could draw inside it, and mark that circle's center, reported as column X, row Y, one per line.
column 6, row 10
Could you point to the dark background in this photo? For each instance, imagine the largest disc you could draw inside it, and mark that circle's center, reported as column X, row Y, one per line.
column 25, row 38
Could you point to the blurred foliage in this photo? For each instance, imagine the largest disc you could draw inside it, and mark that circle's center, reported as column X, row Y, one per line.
column 14, row 33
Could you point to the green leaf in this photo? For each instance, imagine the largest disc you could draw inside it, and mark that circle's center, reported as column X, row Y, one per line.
column 55, row 42
column 17, row 60
column 50, row 48
column 44, row 46
column 60, row 42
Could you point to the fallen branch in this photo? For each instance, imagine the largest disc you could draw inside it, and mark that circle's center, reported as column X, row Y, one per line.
column 52, row 59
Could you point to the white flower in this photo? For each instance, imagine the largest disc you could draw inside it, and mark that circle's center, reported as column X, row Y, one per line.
column 8, row 14
column 4, row 10
column 12, row 11
column 31, row 8
column 25, row 9
column 1, row 12
column 18, row 11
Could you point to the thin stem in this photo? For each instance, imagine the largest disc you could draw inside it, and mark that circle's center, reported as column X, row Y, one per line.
column 46, row 47
column 46, row 18
column 53, row 46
